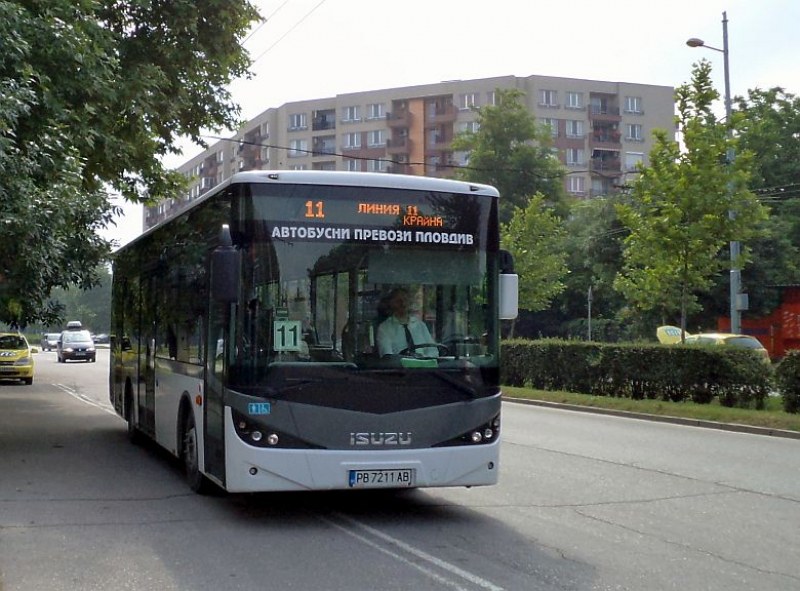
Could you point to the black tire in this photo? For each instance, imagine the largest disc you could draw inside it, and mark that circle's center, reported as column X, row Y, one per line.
column 191, row 461
column 28, row 381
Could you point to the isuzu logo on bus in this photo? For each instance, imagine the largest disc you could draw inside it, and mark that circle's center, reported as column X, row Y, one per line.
column 380, row 438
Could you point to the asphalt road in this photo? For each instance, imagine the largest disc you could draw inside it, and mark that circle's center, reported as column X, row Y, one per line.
column 584, row 502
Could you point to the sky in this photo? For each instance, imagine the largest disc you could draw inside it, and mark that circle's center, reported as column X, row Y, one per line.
column 310, row 49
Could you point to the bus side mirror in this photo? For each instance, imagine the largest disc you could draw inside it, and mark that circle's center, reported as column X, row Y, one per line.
column 508, row 288
column 225, row 269
column 509, row 296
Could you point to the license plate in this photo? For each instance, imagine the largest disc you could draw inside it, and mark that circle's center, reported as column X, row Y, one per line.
column 401, row 478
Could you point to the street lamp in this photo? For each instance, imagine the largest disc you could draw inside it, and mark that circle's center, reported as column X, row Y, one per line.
column 736, row 305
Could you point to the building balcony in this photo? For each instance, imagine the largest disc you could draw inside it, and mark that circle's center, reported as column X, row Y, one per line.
column 321, row 147
column 324, row 119
column 399, row 145
column 609, row 140
column 399, row 168
column 441, row 114
column 607, row 165
column 397, row 119
column 604, row 113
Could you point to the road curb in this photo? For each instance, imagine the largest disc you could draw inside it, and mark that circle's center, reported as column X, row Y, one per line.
column 660, row 419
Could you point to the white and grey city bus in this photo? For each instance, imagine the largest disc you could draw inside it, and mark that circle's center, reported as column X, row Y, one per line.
column 245, row 333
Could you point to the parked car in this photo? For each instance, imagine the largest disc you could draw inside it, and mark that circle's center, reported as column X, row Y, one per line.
column 76, row 345
column 16, row 358
column 671, row 335
column 50, row 341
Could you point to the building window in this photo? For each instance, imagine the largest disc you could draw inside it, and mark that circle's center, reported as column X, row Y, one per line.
column 298, row 167
column 469, row 127
column 298, row 121
column 576, row 184
column 575, row 100
column 351, row 114
column 633, row 160
column 633, row 104
column 575, row 157
column 376, row 165
column 376, row 111
column 264, row 129
column 552, row 124
column 352, row 141
column 375, row 138
column 548, row 98
column 574, row 128
column 491, row 98
column 634, row 132
column 264, row 155
column 467, row 101
column 298, row 148
column 352, row 165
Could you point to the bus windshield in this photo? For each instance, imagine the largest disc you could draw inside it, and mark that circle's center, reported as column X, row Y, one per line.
column 321, row 266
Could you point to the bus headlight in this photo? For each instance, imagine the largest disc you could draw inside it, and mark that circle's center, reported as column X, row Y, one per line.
column 482, row 435
column 255, row 431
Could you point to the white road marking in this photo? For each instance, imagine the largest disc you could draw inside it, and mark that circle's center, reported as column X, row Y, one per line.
column 421, row 554
column 87, row 400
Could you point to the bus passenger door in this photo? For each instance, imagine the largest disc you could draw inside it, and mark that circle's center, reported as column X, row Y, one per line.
column 147, row 402
column 214, row 407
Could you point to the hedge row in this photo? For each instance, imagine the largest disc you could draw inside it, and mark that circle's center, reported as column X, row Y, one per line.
column 787, row 379
column 672, row 373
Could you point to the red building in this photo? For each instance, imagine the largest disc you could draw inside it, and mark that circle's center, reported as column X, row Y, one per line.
column 779, row 332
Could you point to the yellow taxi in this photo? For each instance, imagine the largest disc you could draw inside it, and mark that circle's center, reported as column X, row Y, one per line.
column 16, row 358
column 671, row 335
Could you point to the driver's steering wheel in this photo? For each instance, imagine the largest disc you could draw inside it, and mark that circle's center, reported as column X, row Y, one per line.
column 442, row 349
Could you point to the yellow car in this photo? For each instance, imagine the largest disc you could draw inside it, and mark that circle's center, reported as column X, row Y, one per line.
column 16, row 358
column 671, row 335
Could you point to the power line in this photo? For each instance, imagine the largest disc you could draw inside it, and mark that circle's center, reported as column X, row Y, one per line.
column 243, row 142
column 292, row 28
column 265, row 21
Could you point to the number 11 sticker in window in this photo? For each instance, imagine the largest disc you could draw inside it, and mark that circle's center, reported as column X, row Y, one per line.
column 286, row 335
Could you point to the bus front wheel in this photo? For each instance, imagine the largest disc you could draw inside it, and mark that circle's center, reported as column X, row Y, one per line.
column 191, row 460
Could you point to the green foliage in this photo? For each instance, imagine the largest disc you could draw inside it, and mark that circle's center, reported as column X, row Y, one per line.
column 534, row 236
column 512, row 153
column 678, row 215
column 593, row 243
column 735, row 377
column 769, row 126
column 92, row 93
column 92, row 307
column 787, row 376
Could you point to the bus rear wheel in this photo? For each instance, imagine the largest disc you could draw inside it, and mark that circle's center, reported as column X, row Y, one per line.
column 191, row 460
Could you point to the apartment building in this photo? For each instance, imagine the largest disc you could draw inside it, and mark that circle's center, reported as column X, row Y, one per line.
column 601, row 131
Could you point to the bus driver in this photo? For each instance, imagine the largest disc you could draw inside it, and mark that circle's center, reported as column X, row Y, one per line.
column 402, row 331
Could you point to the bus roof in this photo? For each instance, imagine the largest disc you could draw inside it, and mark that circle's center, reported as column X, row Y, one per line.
column 361, row 179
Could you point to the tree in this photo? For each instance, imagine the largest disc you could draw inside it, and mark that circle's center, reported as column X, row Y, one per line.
column 678, row 216
column 593, row 242
column 534, row 236
column 92, row 94
column 511, row 152
column 770, row 129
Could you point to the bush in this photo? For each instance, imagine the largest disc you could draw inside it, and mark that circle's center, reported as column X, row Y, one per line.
column 671, row 373
column 787, row 378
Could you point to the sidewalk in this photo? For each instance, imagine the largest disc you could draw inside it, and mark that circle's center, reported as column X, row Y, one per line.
column 660, row 418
